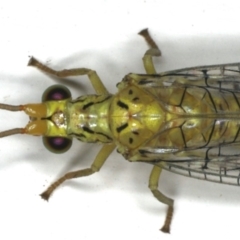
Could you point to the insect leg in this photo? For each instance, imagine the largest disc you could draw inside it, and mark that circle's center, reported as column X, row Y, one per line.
column 153, row 51
column 95, row 167
column 153, row 185
column 93, row 77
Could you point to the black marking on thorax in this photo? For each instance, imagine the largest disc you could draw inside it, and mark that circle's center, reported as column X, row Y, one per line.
column 88, row 105
column 122, row 105
column 119, row 129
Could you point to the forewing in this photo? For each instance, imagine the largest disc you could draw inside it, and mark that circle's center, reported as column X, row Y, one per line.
column 227, row 171
column 219, row 163
column 224, row 76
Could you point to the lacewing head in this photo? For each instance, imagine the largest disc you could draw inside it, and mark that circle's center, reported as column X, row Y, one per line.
column 46, row 119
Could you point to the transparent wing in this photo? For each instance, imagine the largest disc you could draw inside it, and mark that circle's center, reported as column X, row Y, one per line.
column 221, row 164
column 230, row 174
column 216, row 163
column 215, row 160
column 225, row 76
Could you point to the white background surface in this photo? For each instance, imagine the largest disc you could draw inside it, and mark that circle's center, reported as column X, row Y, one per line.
column 102, row 35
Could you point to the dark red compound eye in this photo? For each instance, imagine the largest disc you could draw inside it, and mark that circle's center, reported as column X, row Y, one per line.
column 56, row 92
column 57, row 144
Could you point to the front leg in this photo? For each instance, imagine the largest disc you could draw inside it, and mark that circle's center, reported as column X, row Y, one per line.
column 100, row 159
column 93, row 77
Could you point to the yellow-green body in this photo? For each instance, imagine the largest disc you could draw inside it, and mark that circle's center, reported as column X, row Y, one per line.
column 141, row 117
column 129, row 118
column 186, row 121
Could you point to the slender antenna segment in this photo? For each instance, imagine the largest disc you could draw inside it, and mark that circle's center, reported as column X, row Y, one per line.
column 14, row 130
column 11, row 132
column 11, row 107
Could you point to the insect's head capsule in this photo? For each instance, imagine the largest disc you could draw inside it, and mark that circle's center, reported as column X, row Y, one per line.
column 47, row 119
